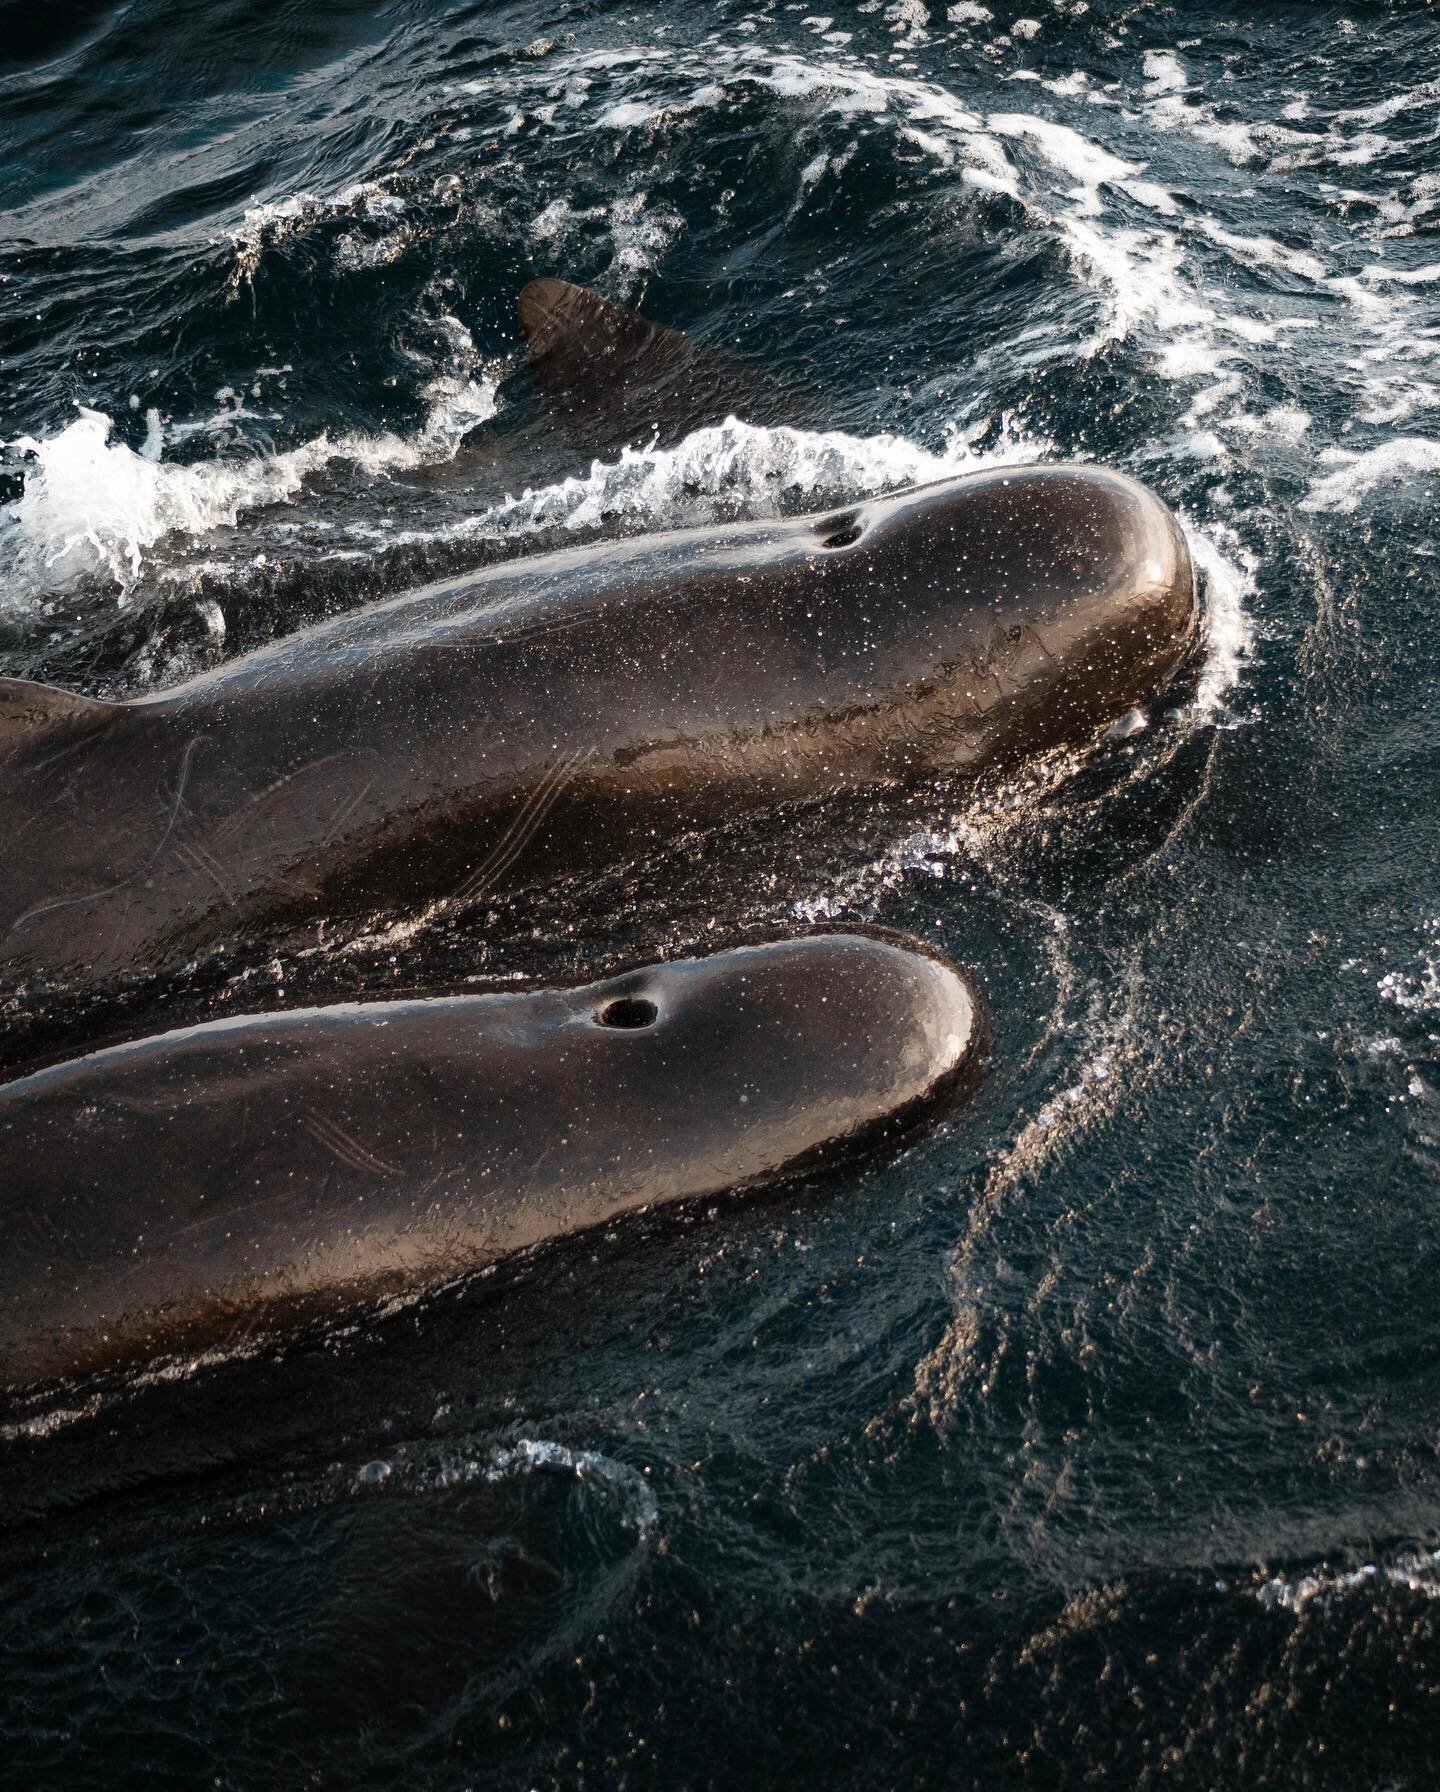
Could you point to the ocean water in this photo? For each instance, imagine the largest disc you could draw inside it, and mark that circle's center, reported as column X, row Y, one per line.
column 1096, row 1440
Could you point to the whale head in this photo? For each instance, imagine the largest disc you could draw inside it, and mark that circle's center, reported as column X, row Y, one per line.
column 763, row 1059
column 267, row 1170
column 1035, row 605
column 1078, row 563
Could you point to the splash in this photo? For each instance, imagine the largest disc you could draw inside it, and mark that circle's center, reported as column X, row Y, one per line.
column 739, row 467
column 540, row 1455
column 94, row 508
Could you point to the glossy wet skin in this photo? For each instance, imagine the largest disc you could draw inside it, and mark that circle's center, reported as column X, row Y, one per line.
column 565, row 712
column 611, row 376
column 184, row 1189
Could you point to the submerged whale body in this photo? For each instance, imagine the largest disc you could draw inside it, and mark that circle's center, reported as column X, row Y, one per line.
column 182, row 1190
column 549, row 716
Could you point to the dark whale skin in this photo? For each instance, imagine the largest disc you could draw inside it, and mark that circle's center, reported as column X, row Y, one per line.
column 183, row 1191
column 550, row 716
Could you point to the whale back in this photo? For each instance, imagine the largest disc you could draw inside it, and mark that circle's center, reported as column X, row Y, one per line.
column 31, row 713
column 178, row 1191
column 460, row 743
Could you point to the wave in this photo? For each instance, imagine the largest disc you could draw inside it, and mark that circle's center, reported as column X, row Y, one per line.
column 1359, row 472
column 635, row 1503
column 1416, row 1572
column 94, row 507
column 733, row 468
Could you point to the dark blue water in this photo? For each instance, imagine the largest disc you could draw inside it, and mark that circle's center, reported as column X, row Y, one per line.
column 1096, row 1442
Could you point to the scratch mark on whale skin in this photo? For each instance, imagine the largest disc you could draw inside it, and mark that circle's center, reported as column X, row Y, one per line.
column 208, row 867
column 85, row 744
column 262, row 797
column 39, row 909
column 526, row 824
column 182, row 781
column 328, row 1132
column 353, row 805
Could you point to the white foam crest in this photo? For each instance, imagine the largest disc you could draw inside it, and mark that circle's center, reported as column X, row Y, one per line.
column 639, row 233
column 908, row 21
column 733, row 465
column 1264, row 251
column 1384, row 110
column 1405, row 276
column 1169, row 102
column 1175, row 105
column 1357, row 473
column 1164, row 72
column 1228, row 571
column 94, row 507
column 1418, row 994
column 844, row 86
column 539, row 1455
column 1139, row 270
column 272, row 221
column 1418, row 1572
column 1398, row 342
column 1239, row 143
column 1396, row 397
column 1283, row 422
column 1074, row 154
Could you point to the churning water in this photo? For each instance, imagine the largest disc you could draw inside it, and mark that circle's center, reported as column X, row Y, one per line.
column 1097, row 1440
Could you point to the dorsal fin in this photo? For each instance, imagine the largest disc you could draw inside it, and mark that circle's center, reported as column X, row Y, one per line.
column 31, row 713
column 590, row 355
column 573, row 335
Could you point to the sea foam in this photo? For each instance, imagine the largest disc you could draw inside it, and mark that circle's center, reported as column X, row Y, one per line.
column 92, row 506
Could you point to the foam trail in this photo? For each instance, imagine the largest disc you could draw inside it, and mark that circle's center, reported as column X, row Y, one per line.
column 1418, row 1572
column 733, row 465
column 94, row 507
column 1356, row 475
column 1228, row 580
column 538, row 1454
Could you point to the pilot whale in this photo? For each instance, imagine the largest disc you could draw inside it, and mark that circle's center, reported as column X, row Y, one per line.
column 184, row 1190
column 544, row 717
column 609, row 376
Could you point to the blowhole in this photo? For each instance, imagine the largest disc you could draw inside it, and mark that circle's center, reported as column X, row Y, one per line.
column 843, row 531
column 628, row 1012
